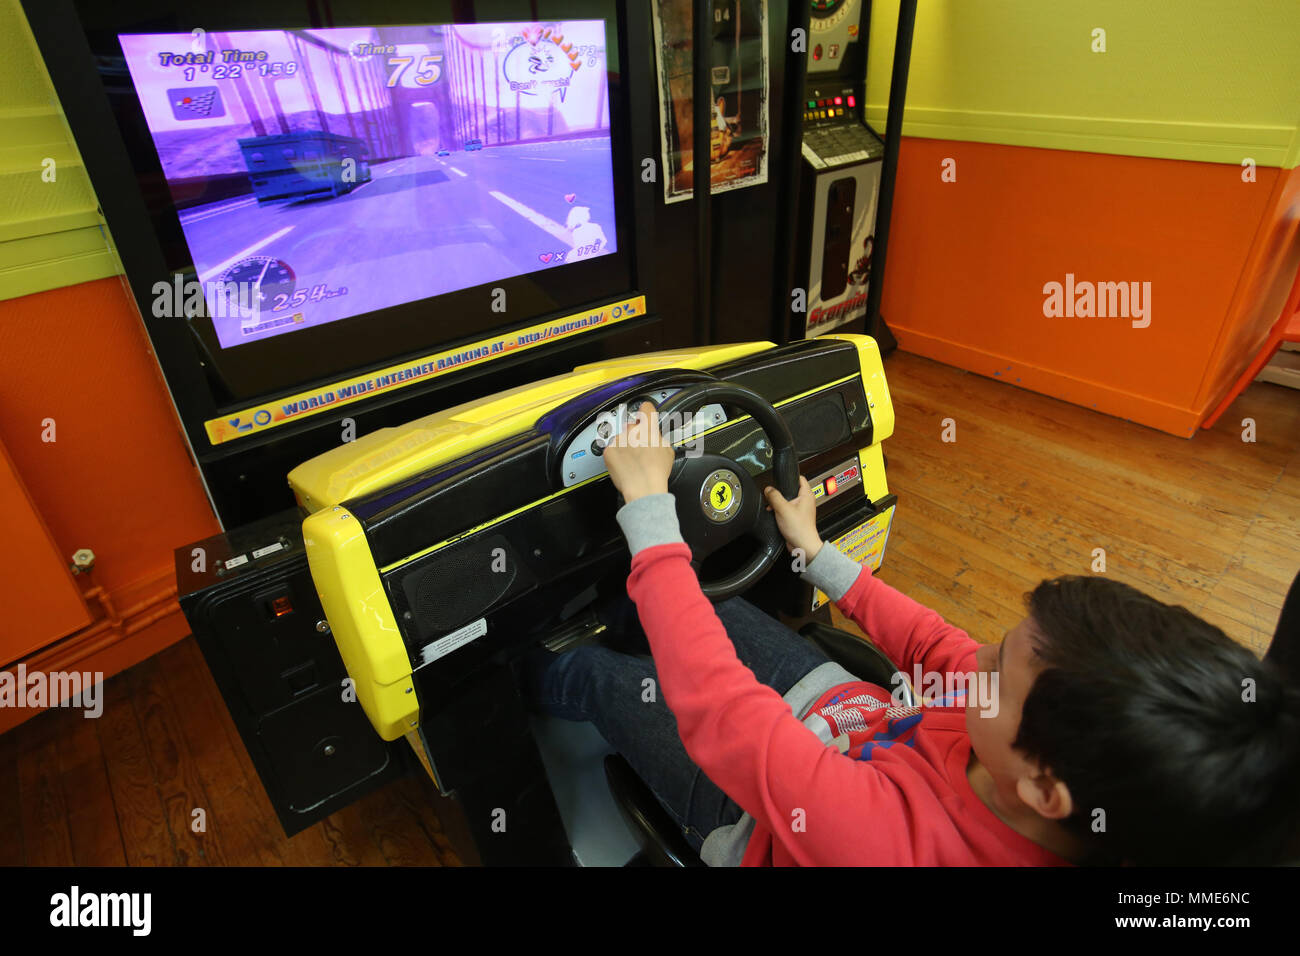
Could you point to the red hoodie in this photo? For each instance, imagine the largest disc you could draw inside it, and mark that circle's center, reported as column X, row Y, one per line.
column 899, row 795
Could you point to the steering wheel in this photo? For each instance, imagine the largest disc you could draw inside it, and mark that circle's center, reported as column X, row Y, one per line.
column 717, row 499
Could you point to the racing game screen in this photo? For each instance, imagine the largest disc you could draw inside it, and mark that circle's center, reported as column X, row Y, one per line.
column 324, row 174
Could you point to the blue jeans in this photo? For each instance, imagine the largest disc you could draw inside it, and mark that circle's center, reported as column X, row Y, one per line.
column 610, row 689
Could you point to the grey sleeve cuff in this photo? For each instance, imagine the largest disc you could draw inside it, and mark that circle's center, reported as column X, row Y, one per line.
column 649, row 521
column 833, row 571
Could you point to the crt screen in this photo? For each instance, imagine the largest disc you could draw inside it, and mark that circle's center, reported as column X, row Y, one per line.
column 324, row 174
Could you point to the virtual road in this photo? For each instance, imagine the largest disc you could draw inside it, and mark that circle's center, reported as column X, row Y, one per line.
column 422, row 226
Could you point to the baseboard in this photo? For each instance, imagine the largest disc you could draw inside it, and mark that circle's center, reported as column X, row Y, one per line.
column 149, row 621
column 1182, row 422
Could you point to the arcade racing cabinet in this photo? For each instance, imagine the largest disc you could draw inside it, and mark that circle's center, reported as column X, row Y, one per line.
column 372, row 632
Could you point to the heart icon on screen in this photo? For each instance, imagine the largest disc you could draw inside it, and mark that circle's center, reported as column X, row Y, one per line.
column 570, row 197
column 545, row 256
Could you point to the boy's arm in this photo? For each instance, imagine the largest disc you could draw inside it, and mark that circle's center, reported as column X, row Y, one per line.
column 909, row 633
column 741, row 733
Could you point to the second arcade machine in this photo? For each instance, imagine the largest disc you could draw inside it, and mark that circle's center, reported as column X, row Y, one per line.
column 848, row 173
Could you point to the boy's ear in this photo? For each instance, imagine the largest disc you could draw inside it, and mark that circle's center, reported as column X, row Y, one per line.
column 1045, row 795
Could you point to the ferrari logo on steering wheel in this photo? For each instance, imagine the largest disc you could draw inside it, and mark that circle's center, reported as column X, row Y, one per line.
column 720, row 495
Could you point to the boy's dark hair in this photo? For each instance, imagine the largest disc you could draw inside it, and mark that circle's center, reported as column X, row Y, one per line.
column 1145, row 712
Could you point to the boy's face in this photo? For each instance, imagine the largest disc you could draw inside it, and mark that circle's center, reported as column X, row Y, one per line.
column 993, row 729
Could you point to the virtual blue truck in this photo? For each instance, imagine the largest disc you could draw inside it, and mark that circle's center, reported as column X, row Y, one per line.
column 291, row 166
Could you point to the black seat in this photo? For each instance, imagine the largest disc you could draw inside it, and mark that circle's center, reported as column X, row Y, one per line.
column 859, row 657
column 662, row 841
column 1284, row 651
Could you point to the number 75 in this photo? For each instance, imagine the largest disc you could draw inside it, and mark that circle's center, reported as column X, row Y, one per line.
column 426, row 73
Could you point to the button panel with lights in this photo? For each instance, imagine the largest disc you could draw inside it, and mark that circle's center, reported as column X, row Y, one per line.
column 824, row 107
column 837, row 480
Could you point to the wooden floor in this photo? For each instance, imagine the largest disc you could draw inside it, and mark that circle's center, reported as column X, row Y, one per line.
column 1032, row 486
column 121, row 790
column 1029, row 488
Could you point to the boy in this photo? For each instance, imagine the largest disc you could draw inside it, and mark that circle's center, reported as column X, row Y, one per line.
column 1120, row 730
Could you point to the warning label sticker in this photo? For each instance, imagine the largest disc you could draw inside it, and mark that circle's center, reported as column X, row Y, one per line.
column 865, row 544
column 458, row 638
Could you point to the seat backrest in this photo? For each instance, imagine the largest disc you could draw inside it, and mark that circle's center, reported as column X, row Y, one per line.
column 859, row 657
column 1284, row 651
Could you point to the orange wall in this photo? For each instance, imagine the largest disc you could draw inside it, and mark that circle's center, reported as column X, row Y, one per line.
column 1265, row 283
column 118, row 479
column 31, row 563
column 968, row 261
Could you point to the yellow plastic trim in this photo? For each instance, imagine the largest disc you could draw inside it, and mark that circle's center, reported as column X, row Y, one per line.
column 385, row 457
column 361, row 618
column 881, row 407
column 873, row 472
column 873, row 383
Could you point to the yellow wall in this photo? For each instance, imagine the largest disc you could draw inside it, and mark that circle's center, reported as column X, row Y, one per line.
column 1207, row 80
column 51, row 233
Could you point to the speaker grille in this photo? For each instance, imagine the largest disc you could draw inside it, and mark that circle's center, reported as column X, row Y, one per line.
column 458, row 584
column 819, row 425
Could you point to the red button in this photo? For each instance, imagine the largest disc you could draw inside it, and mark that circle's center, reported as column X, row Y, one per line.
column 830, row 486
column 839, row 101
column 853, row 101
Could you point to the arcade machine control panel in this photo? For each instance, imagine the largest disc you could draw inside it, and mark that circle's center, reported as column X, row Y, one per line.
column 833, row 135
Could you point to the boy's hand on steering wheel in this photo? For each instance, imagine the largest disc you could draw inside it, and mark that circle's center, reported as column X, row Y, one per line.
column 797, row 519
column 639, row 458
